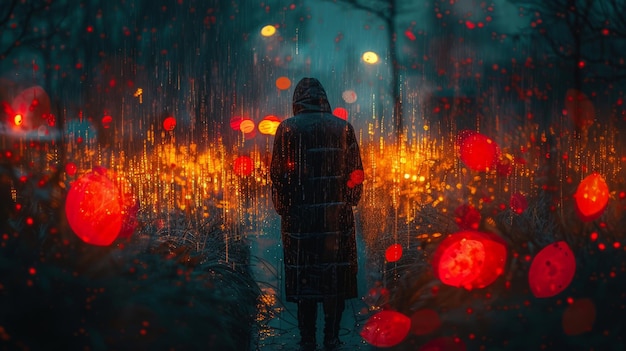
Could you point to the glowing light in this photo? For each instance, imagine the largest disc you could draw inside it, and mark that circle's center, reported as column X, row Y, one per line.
column 32, row 105
column 93, row 208
column 341, row 113
column 552, row 270
column 243, row 166
column 393, row 253
column 106, row 121
column 425, row 321
column 578, row 318
column 247, row 126
column 269, row 124
column 169, row 123
column 592, row 197
column 235, row 122
column 283, row 83
column 370, row 57
column 356, row 177
column 386, row 328
column 70, row 168
column 349, row 96
column 268, row 31
column 477, row 151
column 18, row 119
column 469, row 259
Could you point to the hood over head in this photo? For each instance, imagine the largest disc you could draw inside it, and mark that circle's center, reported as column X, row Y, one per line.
column 310, row 96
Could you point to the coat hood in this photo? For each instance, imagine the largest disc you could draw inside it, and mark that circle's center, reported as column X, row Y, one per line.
column 310, row 96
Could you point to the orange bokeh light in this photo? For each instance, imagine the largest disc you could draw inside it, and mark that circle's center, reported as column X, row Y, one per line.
column 592, row 197
column 283, row 83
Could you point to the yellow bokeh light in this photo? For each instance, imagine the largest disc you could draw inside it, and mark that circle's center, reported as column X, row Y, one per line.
column 370, row 57
column 18, row 119
column 268, row 30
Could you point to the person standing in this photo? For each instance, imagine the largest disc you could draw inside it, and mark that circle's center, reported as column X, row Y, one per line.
column 317, row 175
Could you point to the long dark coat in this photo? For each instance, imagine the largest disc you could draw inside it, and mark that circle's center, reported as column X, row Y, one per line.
column 314, row 186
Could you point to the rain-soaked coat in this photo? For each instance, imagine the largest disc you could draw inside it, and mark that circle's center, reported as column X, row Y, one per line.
column 314, row 159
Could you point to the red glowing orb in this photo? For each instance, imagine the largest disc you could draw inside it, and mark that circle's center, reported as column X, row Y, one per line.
column 169, row 123
column 341, row 113
column 93, row 208
column 469, row 259
column 243, row 166
column 579, row 317
column 425, row 321
column 70, row 168
column 393, row 253
column 592, row 197
column 235, row 122
column 106, row 121
column 356, row 177
column 477, row 151
column 552, row 270
column 386, row 328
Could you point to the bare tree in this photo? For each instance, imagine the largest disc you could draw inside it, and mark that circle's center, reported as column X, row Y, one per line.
column 19, row 27
column 388, row 12
column 589, row 35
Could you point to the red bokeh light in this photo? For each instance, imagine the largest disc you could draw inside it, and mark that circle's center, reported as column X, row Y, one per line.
column 469, row 259
column 552, row 270
column 93, row 208
column 341, row 113
column 592, row 197
column 386, row 328
column 106, row 121
column 356, row 178
column 477, row 151
column 235, row 122
column 393, row 253
column 70, row 168
column 169, row 123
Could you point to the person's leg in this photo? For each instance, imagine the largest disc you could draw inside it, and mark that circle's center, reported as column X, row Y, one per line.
column 333, row 310
column 307, row 316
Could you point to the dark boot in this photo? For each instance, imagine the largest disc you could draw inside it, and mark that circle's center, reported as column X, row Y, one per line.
column 333, row 310
column 307, row 316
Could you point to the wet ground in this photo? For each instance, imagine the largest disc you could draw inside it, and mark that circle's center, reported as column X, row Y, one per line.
column 279, row 328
